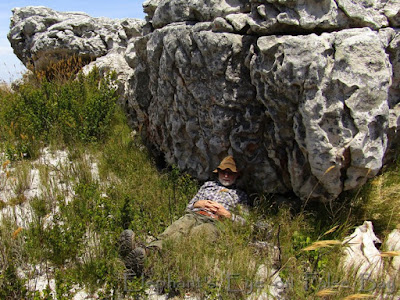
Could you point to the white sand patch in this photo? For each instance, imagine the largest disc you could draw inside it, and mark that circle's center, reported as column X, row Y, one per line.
column 46, row 179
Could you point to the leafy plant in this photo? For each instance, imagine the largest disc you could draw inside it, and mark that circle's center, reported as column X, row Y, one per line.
column 74, row 111
column 12, row 286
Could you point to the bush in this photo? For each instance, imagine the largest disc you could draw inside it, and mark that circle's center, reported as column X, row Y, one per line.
column 66, row 112
column 11, row 241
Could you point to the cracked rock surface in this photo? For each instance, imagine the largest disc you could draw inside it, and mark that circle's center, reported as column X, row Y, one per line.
column 40, row 35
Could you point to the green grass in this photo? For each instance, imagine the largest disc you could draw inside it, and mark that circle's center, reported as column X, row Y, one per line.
column 77, row 218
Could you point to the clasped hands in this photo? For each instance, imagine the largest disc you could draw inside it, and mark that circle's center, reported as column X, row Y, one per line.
column 214, row 207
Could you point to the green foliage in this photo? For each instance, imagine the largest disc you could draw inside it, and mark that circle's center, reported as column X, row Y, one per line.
column 78, row 110
column 11, row 285
column 378, row 201
column 149, row 200
column 64, row 283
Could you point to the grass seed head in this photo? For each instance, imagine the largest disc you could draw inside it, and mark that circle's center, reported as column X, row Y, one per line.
column 326, row 292
column 322, row 244
column 389, row 254
column 359, row 296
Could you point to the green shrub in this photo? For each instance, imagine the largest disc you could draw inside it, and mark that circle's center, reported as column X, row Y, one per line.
column 12, row 286
column 78, row 110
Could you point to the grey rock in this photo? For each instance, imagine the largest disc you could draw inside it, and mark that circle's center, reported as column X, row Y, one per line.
column 317, row 127
column 365, row 13
column 392, row 243
column 391, row 9
column 277, row 16
column 361, row 254
column 172, row 11
column 197, row 85
column 393, row 50
column 149, row 7
column 325, row 101
column 40, row 35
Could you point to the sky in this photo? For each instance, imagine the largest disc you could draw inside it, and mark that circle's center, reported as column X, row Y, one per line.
column 11, row 67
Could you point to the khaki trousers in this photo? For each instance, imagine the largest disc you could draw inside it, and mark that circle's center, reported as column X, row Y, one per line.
column 191, row 224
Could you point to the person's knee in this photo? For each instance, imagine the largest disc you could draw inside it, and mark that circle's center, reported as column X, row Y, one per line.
column 180, row 226
column 206, row 231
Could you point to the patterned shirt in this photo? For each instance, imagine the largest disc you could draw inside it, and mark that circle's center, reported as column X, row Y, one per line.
column 228, row 197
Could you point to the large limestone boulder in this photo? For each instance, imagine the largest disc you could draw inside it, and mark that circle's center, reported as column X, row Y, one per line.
column 40, row 35
column 326, row 97
column 305, row 113
column 273, row 16
column 305, row 94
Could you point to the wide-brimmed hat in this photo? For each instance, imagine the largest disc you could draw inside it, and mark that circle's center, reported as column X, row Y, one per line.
column 227, row 163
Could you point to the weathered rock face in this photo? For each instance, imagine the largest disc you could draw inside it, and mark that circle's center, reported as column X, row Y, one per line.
column 306, row 113
column 266, row 17
column 365, row 260
column 303, row 93
column 40, row 35
column 328, row 105
column 360, row 252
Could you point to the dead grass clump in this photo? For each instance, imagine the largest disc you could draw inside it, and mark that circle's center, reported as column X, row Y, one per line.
column 62, row 70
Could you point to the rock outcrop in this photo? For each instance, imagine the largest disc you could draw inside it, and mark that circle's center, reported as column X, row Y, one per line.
column 305, row 94
column 363, row 256
column 41, row 36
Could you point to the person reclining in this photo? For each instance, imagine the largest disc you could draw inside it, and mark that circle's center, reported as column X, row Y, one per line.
column 214, row 202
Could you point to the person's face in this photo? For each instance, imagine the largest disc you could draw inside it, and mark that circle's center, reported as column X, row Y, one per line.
column 227, row 177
